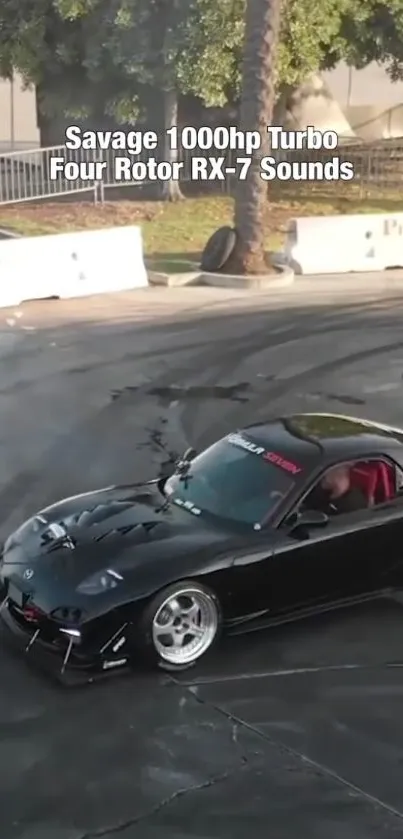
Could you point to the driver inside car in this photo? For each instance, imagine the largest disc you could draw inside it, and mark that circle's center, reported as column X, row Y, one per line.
column 334, row 494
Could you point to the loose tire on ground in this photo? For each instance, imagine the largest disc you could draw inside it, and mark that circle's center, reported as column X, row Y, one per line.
column 218, row 249
column 163, row 638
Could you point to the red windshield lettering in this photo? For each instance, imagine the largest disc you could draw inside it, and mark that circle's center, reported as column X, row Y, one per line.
column 272, row 457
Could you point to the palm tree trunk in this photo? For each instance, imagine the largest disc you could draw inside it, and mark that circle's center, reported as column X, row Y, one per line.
column 262, row 29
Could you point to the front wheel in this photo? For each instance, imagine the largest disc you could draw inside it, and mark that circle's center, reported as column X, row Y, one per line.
column 180, row 625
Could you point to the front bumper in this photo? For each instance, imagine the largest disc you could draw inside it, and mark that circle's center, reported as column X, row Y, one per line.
column 62, row 658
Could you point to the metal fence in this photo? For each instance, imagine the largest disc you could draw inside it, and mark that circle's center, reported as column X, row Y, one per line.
column 32, row 175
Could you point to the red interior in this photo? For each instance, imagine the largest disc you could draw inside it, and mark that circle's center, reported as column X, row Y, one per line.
column 375, row 479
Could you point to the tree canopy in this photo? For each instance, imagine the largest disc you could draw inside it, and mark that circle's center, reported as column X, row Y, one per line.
column 374, row 33
column 76, row 47
column 92, row 56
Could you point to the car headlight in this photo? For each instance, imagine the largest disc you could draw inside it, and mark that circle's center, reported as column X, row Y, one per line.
column 100, row 582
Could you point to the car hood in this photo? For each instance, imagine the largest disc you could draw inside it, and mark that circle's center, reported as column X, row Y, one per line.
column 131, row 532
column 115, row 515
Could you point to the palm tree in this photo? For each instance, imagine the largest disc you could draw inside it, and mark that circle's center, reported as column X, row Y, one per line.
column 262, row 30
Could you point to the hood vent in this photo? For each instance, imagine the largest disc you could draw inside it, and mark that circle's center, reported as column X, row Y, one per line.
column 148, row 527
column 96, row 515
column 63, row 533
column 56, row 534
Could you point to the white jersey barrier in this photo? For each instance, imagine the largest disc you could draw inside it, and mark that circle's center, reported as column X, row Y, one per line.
column 343, row 244
column 71, row 265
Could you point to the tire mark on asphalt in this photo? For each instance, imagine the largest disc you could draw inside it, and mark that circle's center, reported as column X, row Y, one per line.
column 113, row 337
column 16, row 491
column 274, row 392
column 160, row 352
column 62, row 452
column 277, row 315
column 277, row 391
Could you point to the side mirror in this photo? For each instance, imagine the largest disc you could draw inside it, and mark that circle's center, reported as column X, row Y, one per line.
column 313, row 518
column 182, row 465
column 307, row 520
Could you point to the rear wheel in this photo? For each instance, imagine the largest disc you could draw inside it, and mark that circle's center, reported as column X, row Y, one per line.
column 180, row 625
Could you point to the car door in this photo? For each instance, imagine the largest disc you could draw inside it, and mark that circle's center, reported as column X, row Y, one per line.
column 388, row 562
column 350, row 555
column 287, row 571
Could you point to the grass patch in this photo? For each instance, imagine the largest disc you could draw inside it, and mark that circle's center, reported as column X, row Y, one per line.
column 175, row 231
column 171, row 266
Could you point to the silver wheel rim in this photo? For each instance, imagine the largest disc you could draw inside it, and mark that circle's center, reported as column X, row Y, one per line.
column 185, row 626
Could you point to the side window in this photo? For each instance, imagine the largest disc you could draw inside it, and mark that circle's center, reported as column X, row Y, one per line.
column 376, row 479
column 349, row 487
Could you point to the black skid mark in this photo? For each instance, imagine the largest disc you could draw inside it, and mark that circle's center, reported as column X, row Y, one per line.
column 233, row 393
column 157, row 444
column 173, row 393
column 345, row 399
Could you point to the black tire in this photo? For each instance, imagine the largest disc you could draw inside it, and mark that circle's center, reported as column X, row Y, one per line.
column 146, row 643
column 218, row 249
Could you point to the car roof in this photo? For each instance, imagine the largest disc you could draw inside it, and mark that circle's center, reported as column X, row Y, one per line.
column 330, row 437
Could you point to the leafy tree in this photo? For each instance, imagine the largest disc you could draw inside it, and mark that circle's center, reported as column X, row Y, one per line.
column 73, row 47
column 115, row 61
column 308, row 33
column 94, row 58
column 373, row 33
column 183, row 48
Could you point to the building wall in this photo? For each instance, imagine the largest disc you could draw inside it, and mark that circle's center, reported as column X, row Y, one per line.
column 362, row 88
column 372, row 103
column 18, row 127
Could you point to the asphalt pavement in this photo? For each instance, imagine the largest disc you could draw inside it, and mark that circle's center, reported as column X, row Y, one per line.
column 296, row 732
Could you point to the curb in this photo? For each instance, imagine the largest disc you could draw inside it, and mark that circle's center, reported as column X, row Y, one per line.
column 284, row 277
column 157, row 278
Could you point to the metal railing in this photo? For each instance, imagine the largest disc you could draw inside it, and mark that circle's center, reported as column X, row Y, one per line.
column 31, row 175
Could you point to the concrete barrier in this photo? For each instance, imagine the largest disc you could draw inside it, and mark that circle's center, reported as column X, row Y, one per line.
column 344, row 244
column 71, row 265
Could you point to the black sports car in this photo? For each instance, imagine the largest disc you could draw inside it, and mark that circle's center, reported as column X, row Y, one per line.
column 232, row 541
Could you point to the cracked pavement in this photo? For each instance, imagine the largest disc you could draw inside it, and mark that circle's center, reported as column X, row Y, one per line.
column 296, row 732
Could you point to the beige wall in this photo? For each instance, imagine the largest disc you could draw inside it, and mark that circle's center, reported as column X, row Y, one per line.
column 18, row 128
column 372, row 103
column 363, row 88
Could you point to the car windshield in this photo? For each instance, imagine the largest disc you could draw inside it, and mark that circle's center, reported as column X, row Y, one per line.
column 234, row 479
